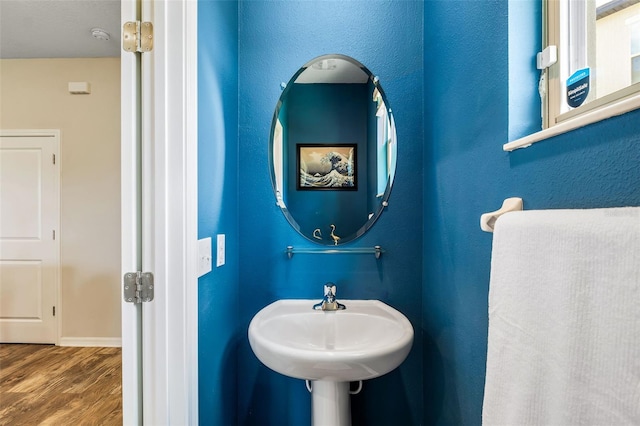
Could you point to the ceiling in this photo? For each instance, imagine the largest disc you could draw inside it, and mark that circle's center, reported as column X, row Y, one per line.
column 58, row 28
column 333, row 69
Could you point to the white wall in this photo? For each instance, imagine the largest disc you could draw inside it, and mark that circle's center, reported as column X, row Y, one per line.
column 34, row 95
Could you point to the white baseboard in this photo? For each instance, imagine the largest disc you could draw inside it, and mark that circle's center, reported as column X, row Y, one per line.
column 112, row 342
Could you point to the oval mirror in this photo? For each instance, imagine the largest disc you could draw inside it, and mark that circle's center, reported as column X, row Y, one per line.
column 332, row 150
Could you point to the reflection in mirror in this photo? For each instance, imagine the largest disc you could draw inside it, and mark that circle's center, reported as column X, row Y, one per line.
column 332, row 150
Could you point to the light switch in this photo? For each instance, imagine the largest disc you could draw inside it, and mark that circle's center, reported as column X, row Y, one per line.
column 220, row 257
column 204, row 256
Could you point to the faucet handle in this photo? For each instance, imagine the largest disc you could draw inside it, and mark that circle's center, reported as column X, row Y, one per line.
column 330, row 289
column 329, row 302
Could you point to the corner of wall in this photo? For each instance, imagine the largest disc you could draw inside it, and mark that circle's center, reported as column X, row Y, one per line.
column 525, row 40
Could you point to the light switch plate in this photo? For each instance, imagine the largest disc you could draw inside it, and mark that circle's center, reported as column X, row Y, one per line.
column 220, row 257
column 204, row 256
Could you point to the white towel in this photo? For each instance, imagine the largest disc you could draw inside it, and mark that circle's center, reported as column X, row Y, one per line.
column 564, row 319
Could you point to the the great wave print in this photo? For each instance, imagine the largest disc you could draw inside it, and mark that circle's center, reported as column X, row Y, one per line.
column 327, row 166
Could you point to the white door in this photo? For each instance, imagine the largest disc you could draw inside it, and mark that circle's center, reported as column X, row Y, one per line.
column 29, row 249
column 159, row 215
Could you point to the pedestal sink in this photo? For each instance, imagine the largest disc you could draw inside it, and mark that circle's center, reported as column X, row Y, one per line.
column 330, row 348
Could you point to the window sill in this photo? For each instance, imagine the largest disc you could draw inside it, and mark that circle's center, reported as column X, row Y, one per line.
column 623, row 106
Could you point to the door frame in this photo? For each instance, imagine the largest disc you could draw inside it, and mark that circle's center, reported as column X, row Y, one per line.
column 162, row 389
column 55, row 134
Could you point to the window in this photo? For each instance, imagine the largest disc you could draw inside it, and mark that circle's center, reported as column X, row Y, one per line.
column 634, row 24
column 383, row 143
column 600, row 36
column 597, row 73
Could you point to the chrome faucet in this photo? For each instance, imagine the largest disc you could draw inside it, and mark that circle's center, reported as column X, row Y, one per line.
column 329, row 302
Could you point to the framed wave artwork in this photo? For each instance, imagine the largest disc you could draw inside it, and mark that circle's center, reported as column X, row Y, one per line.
column 326, row 167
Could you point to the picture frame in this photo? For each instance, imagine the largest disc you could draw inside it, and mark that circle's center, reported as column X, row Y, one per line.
column 326, row 167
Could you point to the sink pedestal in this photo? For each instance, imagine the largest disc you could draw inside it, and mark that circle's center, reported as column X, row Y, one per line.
column 330, row 403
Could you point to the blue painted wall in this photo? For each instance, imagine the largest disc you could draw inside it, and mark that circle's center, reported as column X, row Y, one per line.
column 467, row 109
column 275, row 39
column 218, row 327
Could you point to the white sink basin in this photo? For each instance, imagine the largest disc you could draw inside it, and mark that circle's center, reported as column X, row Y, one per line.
column 366, row 340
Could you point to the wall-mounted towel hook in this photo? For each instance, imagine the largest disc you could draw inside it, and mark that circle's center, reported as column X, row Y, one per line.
column 488, row 220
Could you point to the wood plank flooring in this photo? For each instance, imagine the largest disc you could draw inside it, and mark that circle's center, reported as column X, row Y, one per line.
column 55, row 385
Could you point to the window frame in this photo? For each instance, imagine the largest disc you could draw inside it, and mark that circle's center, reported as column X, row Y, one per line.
column 554, row 122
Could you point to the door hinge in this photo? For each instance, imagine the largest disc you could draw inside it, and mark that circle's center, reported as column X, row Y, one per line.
column 137, row 36
column 138, row 287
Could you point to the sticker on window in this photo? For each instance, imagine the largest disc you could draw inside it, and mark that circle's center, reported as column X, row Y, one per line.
column 578, row 88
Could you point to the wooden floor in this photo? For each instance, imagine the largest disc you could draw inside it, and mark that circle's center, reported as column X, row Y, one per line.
column 54, row 385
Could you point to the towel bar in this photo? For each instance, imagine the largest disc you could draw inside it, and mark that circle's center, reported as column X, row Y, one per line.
column 488, row 220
